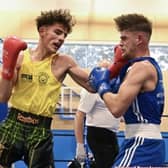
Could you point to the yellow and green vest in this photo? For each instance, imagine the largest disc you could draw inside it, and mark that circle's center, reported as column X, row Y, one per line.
column 37, row 90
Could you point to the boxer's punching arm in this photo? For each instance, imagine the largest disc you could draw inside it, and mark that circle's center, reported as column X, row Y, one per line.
column 99, row 80
column 79, row 75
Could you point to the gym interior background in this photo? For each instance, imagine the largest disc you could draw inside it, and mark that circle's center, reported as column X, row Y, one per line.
column 92, row 39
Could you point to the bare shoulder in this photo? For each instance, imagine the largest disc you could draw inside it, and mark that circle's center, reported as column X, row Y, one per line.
column 62, row 63
column 142, row 67
column 66, row 59
column 142, row 71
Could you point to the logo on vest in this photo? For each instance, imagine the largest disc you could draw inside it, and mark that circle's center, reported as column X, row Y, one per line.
column 43, row 77
column 27, row 77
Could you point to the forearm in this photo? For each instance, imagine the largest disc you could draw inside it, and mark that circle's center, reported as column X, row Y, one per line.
column 5, row 89
column 81, row 77
column 79, row 127
column 87, row 86
column 116, row 105
column 83, row 82
column 11, row 49
column 119, row 103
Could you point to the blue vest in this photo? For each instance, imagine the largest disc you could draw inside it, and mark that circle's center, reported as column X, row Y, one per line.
column 147, row 106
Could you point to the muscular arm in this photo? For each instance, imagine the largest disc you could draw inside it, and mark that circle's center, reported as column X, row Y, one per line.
column 141, row 77
column 6, row 86
column 79, row 75
column 5, row 89
column 11, row 50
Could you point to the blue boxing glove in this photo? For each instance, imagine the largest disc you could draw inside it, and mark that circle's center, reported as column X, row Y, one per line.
column 114, row 84
column 99, row 79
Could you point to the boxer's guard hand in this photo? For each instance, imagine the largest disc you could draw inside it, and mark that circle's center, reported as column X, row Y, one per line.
column 99, row 79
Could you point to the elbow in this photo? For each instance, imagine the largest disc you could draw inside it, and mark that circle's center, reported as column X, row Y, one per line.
column 90, row 89
column 117, row 113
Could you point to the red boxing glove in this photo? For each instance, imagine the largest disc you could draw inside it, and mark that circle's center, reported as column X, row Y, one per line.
column 11, row 48
column 118, row 62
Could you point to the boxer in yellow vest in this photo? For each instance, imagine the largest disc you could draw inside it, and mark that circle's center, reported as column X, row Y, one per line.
column 31, row 81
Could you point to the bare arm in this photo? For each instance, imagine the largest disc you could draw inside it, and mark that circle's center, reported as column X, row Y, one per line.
column 79, row 75
column 141, row 77
column 5, row 89
column 6, row 86
column 79, row 126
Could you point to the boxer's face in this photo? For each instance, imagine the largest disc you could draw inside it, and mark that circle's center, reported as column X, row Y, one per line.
column 53, row 36
column 128, row 44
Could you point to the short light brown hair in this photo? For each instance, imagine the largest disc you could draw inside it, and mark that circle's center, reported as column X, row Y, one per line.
column 51, row 17
column 134, row 22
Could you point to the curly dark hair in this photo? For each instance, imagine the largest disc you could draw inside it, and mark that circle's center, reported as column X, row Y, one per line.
column 134, row 22
column 62, row 16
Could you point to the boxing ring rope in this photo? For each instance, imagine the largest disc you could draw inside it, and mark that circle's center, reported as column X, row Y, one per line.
column 165, row 115
column 68, row 99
